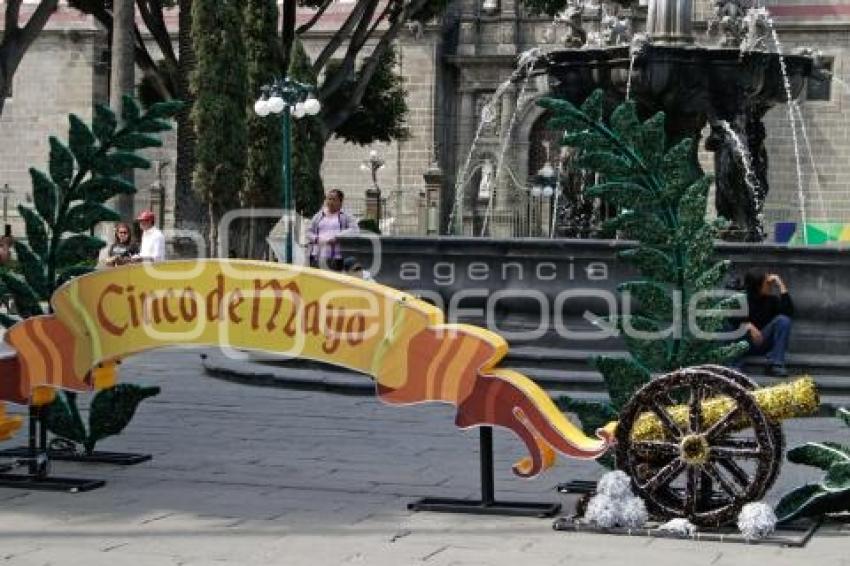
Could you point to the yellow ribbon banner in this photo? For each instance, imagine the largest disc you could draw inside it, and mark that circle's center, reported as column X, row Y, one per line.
column 400, row 341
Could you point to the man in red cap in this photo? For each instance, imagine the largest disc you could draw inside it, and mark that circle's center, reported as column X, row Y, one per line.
column 153, row 240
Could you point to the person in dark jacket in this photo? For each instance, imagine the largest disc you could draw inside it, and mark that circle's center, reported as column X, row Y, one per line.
column 768, row 323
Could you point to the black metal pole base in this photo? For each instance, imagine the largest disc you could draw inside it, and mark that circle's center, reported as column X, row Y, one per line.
column 796, row 534
column 487, row 505
column 37, row 461
column 473, row 507
column 96, row 457
column 574, row 486
column 49, row 483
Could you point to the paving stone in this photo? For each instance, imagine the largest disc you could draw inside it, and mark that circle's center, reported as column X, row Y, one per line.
column 244, row 476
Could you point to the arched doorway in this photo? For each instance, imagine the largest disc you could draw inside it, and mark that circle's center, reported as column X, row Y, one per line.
column 575, row 215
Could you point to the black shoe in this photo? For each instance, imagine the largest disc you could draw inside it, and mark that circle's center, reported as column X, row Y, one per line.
column 777, row 370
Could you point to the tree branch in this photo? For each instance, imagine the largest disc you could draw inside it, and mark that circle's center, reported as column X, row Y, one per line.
column 13, row 14
column 36, row 23
column 287, row 32
column 333, row 121
column 149, row 67
column 152, row 15
column 355, row 44
column 314, row 18
column 332, row 45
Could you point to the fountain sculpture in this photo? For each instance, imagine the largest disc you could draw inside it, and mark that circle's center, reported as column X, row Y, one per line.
column 729, row 85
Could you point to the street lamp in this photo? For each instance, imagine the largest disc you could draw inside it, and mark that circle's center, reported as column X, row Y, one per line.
column 544, row 186
column 374, row 164
column 6, row 191
column 288, row 98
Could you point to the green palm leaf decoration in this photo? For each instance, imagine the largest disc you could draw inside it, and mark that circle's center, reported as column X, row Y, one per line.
column 661, row 196
column 68, row 203
column 832, row 495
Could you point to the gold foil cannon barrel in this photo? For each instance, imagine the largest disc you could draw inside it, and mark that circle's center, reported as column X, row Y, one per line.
column 798, row 398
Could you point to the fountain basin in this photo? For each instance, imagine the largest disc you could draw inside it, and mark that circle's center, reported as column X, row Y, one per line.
column 691, row 84
column 521, row 280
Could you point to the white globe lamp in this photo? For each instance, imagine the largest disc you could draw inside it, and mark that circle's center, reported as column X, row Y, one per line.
column 261, row 107
column 312, row 106
column 276, row 104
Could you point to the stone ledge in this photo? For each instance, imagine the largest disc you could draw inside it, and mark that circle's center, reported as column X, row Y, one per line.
column 314, row 376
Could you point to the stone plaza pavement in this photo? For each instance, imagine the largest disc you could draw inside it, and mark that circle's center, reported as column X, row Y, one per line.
column 250, row 475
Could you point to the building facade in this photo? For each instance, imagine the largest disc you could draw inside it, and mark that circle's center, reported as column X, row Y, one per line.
column 452, row 69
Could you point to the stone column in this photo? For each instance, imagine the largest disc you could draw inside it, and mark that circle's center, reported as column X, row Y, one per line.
column 503, row 187
column 670, row 21
column 466, row 124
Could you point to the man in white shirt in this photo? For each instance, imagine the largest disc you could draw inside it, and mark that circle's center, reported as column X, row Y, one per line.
column 153, row 240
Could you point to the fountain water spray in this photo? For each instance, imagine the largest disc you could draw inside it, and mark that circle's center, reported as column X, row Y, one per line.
column 744, row 156
column 818, row 188
column 790, row 99
column 488, row 114
column 639, row 42
column 527, row 60
column 753, row 186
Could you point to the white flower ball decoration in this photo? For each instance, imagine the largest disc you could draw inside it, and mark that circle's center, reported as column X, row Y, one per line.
column 756, row 521
column 633, row 513
column 616, row 485
column 602, row 511
column 681, row 527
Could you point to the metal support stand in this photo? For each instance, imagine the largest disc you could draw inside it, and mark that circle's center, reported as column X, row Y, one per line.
column 581, row 487
column 487, row 505
column 37, row 461
column 67, row 455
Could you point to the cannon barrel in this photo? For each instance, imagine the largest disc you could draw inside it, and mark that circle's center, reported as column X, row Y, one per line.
column 798, row 398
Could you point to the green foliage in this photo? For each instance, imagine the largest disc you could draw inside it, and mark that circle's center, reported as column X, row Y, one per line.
column 622, row 377
column 382, row 113
column 63, row 419
column 262, row 184
column 110, row 412
column 148, row 92
column 68, row 204
column 662, row 199
column 832, row 495
column 308, row 142
column 219, row 111
column 112, row 409
column 369, row 225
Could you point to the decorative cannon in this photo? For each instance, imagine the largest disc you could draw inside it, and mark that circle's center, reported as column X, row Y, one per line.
column 702, row 442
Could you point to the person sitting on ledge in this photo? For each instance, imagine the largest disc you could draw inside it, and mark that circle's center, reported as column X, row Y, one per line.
column 768, row 322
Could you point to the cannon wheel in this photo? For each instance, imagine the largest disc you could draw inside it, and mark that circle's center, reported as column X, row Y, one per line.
column 705, row 474
column 775, row 427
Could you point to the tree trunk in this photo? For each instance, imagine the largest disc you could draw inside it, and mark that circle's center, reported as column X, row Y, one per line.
column 122, row 78
column 287, row 32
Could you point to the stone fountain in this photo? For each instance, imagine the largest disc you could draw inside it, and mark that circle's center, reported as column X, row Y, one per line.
column 729, row 85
